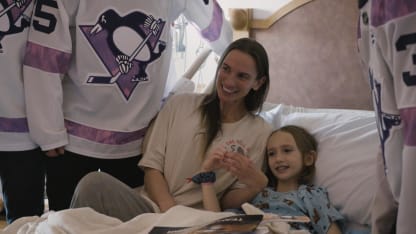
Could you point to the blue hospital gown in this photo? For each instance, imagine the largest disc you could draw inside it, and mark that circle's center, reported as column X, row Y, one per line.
column 307, row 200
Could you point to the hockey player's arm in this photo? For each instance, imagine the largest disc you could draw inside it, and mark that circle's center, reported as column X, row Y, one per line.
column 208, row 16
column 47, row 59
column 403, row 65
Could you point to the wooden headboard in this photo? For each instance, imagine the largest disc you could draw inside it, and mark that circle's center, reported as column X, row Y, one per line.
column 313, row 57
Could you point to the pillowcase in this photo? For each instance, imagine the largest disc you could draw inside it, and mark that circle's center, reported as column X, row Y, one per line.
column 347, row 150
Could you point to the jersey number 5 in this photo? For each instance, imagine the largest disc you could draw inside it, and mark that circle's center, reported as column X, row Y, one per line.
column 45, row 16
column 401, row 44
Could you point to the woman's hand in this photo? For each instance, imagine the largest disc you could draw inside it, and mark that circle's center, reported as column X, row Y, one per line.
column 214, row 160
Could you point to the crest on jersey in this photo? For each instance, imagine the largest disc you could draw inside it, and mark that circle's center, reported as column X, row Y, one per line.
column 12, row 18
column 385, row 121
column 126, row 45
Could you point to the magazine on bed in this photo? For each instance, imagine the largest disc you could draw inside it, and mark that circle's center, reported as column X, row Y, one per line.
column 228, row 225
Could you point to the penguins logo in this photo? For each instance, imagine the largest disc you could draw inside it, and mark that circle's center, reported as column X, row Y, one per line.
column 10, row 12
column 126, row 46
column 385, row 121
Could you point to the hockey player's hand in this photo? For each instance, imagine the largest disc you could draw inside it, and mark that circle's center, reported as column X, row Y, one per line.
column 55, row 152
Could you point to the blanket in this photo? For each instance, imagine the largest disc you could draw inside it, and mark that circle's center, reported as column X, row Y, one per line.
column 86, row 220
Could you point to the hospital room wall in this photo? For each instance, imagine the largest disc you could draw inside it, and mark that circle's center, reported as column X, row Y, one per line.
column 314, row 58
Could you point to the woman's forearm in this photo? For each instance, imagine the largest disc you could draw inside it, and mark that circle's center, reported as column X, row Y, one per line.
column 157, row 189
column 209, row 197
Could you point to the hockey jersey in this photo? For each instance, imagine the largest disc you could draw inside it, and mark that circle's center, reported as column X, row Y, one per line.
column 14, row 27
column 95, row 70
column 387, row 44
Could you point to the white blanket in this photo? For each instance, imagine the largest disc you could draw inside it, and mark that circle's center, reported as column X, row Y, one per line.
column 86, row 220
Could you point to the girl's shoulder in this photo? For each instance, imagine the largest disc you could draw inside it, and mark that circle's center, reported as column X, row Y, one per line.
column 312, row 191
column 302, row 189
column 311, row 187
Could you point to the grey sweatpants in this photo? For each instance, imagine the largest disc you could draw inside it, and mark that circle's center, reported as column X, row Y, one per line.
column 107, row 195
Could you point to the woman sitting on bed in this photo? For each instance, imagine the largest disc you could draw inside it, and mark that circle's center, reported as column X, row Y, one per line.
column 291, row 156
column 187, row 128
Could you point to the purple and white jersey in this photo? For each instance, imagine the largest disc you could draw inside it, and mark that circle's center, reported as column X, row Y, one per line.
column 387, row 44
column 14, row 27
column 95, row 70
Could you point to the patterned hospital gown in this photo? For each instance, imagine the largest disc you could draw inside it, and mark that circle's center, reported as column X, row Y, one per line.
column 307, row 200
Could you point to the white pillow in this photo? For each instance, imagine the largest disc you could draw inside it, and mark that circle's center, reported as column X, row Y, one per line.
column 347, row 151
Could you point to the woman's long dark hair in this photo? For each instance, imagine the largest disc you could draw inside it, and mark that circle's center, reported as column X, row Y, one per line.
column 210, row 107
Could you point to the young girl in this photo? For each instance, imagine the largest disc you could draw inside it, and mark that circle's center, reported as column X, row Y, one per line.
column 290, row 155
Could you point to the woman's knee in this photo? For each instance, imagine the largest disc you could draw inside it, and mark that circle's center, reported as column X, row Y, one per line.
column 90, row 188
column 94, row 182
column 91, row 179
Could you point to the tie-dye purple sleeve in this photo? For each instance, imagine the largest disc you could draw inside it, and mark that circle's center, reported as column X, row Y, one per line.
column 213, row 30
column 208, row 17
column 383, row 11
column 408, row 116
column 46, row 59
column 13, row 125
column 103, row 136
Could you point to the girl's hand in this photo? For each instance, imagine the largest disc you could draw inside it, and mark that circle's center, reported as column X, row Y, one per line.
column 239, row 165
column 214, row 160
column 245, row 170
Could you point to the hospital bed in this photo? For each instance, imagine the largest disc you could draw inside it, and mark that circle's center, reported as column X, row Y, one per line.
column 346, row 166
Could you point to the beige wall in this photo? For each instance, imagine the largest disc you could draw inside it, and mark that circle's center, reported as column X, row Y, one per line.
column 313, row 56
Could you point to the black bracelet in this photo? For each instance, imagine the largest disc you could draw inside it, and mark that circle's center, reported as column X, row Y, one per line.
column 204, row 177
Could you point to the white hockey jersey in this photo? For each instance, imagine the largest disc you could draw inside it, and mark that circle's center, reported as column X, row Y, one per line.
column 95, row 70
column 387, row 44
column 14, row 26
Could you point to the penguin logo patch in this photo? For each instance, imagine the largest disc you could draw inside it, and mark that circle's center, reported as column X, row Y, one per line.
column 126, row 45
column 11, row 11
column 385, row 121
